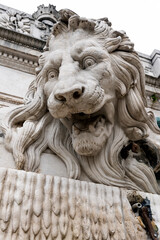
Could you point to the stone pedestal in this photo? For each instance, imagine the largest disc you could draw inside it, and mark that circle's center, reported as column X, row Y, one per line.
column 36, row 206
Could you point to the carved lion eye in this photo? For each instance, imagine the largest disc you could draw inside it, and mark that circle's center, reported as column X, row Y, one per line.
column 88, row 62
column 52, row 74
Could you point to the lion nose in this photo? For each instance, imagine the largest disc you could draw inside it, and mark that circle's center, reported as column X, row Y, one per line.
column 75, row 93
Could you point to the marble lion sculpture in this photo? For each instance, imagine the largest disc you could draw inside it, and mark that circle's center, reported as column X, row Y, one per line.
column 86, row 103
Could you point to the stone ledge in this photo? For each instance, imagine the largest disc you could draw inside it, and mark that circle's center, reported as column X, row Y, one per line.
column 22, row 39
column 7, row 98
column 17, row 62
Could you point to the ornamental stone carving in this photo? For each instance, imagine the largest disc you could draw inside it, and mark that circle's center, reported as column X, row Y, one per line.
column 15, row 21
column 86, row 108
column 46, row 14
column 47, row 17
column 34, row 206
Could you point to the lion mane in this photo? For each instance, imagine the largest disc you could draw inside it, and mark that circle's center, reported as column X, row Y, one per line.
column 26, row 127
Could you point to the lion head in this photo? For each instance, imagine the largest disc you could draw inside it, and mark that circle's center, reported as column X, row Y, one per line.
column 86, row 103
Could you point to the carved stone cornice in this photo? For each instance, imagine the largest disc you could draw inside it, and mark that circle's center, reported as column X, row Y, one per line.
column 17, row 63
column 155, row 82
column 153, row 97
column 8, row 99
column 22, row 39
column 17, row 57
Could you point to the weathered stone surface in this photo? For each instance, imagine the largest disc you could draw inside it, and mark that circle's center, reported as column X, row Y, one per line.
column 85, row 105
column 14, row 20
column 35, row 206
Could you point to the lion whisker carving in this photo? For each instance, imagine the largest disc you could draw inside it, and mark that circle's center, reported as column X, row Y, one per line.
column 86, row 103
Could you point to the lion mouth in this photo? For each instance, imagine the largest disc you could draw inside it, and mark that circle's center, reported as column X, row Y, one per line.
column 87, row 123
column 89, row 132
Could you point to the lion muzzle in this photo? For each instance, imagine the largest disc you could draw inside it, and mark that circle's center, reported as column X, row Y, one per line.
column 70, row 95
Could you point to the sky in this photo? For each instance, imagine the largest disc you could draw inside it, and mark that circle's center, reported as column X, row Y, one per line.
column 140, row 19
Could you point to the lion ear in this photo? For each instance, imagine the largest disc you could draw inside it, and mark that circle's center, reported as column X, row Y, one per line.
column 113, row 43
column 119, row 40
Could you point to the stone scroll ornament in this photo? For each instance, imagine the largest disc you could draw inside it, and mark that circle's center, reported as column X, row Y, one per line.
column 86, row 103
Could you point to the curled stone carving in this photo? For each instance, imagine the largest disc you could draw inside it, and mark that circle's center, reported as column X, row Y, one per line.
column 15, row 21
column 86, row 103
